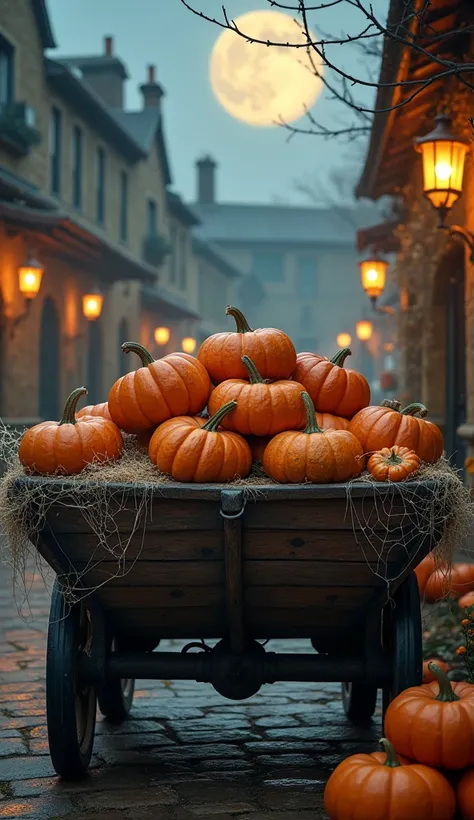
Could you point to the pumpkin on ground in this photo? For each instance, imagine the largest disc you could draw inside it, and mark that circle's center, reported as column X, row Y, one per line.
column 444, row 581
column 190, row 451
column 465, row 795
column 262, row 409
column 270, row 349
column 462, row 580
column 466, row 600
column 332, row 388
column 381, row 786
column 393, row 463
column 428, row 676
column 387, row 425
column 101, row 409
column 175, row 385
column 434, row 723
column 66, row 447
column 423, row 571
column 313, row 455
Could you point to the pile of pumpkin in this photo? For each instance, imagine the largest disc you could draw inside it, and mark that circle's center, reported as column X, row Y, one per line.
column 426, row 771
column 304, row 417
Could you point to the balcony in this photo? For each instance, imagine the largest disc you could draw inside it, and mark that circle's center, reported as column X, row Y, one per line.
column 155, row 249
column 18, row 132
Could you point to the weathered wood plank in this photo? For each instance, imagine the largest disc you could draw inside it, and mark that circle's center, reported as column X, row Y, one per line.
column 147, row 573
column 159, row 515
column 319, row 514
column 155, row 622
column 321, row 545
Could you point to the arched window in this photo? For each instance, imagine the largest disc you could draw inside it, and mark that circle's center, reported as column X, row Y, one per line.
column 94, row 363
column 123, row 336
column 50, row 362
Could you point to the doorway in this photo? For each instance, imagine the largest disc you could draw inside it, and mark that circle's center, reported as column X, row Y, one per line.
column 50, row 362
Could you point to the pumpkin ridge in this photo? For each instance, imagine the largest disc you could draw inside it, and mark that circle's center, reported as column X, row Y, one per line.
column 193, row 457
column 207, row 449
column 140, row 382
column 158, row 379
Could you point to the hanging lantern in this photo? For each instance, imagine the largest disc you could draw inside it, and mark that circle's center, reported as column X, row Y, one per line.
column 343, row 339
column 373, row 274
column 162, row 335
column 92, row 305
column 443, row 154
column 364, row 330
column 188, row 345
column 30, row 275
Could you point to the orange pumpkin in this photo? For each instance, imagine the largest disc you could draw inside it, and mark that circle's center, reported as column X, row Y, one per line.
column 393, row 463
column 434, row 723
column 387, row 425
column 272, row 351
column 465, row 795
column 95, row 410
column 190, row 451
column 428, row 676
column 444, row 581
column 262, row 409
column 332, row 388
column 68, row 446
column 386, row 787
column 462, row 580
column 466, row 600
column 423, row 571
column 175, row 385
column 313, row 455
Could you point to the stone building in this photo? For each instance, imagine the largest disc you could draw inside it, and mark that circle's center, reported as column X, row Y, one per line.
column 432, row 267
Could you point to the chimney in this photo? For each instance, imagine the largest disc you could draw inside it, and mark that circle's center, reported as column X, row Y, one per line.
column 206, row 168
column 105, row 74
column 152, row 91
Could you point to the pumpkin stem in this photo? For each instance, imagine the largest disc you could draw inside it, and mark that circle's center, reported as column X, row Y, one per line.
column 393, row 458
column 212, row 424
column 415, row 409
column 392, row 761
column 392, row 403
column 240, row 320
column 446, row 693
column 69, row 412
column 312, row 425
column 135, row 347
column 254, row 375
column 341, row 356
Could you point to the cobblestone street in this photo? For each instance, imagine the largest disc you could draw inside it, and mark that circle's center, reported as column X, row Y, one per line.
column 185, row 753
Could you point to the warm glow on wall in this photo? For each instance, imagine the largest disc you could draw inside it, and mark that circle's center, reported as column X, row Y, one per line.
column 92, row 305
column 364, row 330
column 188, row 345
column 30, row 275
column 162, row 335
column 343, row 339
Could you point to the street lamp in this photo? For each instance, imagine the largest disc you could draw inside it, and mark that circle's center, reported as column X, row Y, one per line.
column 364, row 330
column 162, row 335
column 443, row 154
column 343, row 339
column 188, row 345
column 30, row 275
column 92, row 305
column 373, row 273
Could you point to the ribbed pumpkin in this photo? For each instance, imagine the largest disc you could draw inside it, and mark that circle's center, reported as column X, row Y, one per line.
column 270, row 349
column 190, row 451
column 434, row 723
column 428, row 676
column 332, row 388
column 263, row 409
column 68, row 446
column 95, row 410
column 175, row 385
column 424, row 569
column 466, row 600
column 387, row 787
column 465, row 795
column 384, row 426
column 313, row 455
column 393, row 463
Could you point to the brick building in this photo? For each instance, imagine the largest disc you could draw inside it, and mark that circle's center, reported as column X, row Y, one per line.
column 432, row 267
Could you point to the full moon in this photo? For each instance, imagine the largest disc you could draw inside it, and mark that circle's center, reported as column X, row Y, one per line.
column 262, row 85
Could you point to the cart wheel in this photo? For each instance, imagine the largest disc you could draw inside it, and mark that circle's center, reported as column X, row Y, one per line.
column 403, row 635
column 359, row 701
column 116, row 695
column 70, row 705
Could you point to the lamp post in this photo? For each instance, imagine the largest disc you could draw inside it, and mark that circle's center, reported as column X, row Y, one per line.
column 443, row 154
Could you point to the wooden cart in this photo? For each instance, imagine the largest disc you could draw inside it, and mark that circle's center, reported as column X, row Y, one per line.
column 215, row 562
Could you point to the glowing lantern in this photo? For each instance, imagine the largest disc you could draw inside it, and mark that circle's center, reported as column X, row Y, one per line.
column 188, row 344
column 443, row 154
column 364, row 330
column 162, row 335
column 343, row 339
column 373, row 273
column 92, row 305
column 30, row 275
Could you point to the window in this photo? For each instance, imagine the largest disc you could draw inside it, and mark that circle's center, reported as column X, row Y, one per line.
column 151, row 217
column 306, row 277
column 268, row 266
column 6, row 72
column 55, row 151
column 174, row 255
column 100, row 186
column 123, row 206
column 77, row 167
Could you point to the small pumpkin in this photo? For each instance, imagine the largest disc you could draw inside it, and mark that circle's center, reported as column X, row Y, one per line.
column 434, row 723
column 375, row 786
column 428, row 676
column 423, row 571
column 95, row 410
column 313, row 455
column 263, row 409
column 68, row 446
column 462, row 578
column 465, row 795
column 393, row 463
column 189, row 451
column 270, row 349
column 466, row 600
column 455, row 581
column 388, row 424
column 175, row 385
column 332, row 388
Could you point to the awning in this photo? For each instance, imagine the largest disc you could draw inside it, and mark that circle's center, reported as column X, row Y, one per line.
column 379, row 238
column 157, row 298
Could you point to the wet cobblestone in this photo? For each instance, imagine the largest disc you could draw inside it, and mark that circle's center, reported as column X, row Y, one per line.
column 186, row 753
